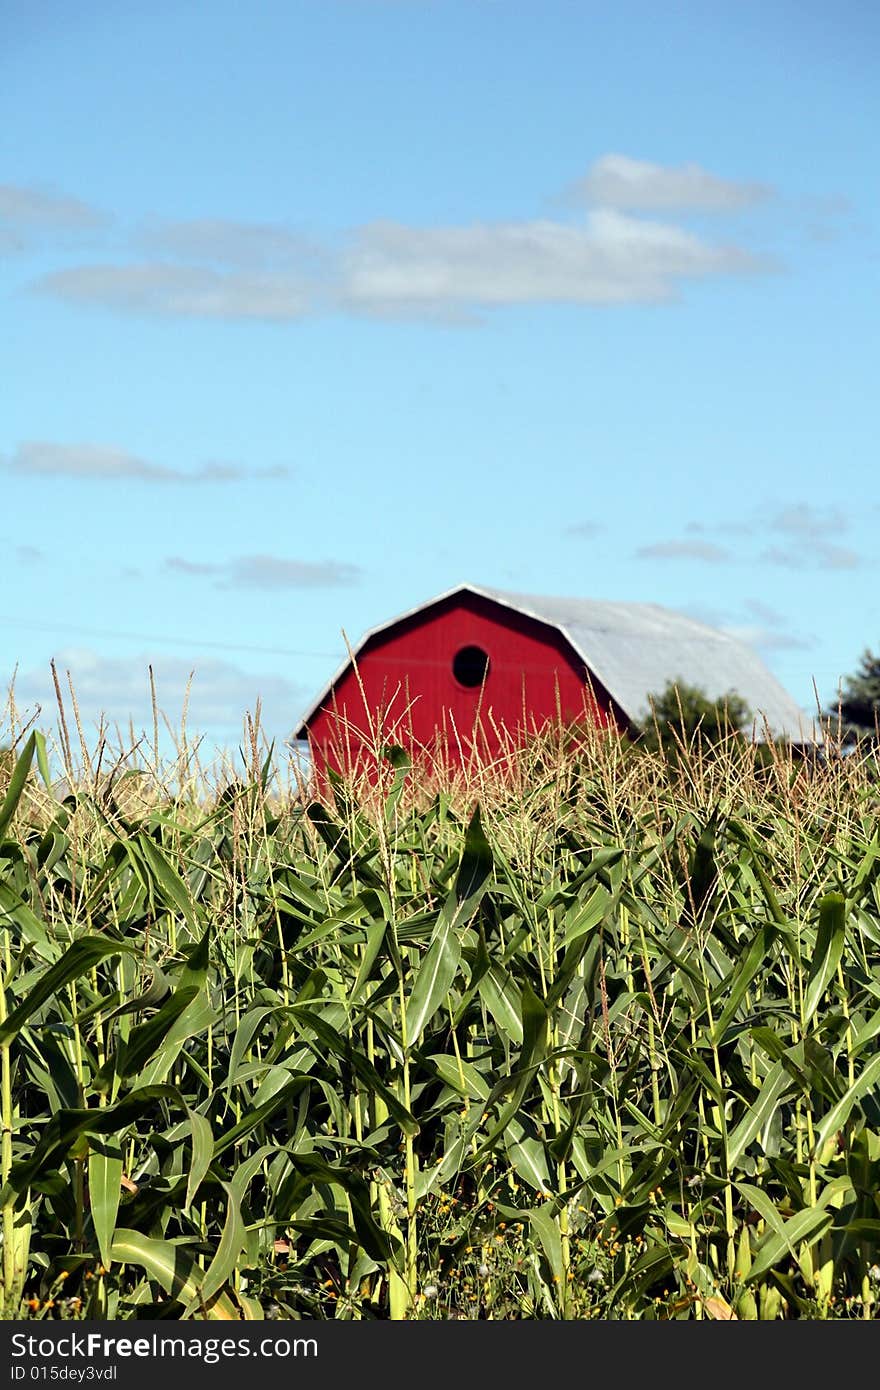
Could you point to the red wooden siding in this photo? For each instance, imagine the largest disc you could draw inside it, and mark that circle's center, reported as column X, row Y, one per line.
column 405, row 684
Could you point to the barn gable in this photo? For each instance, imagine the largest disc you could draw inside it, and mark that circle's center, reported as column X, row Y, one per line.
column 624, row 650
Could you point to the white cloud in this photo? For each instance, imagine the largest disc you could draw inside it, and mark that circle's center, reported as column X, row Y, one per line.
column 33, row 209
column 812, row 554
column 766, row 630
column 245, row 245
column 763, row 611
column 617, row 181
column 181, row 291
column 182, row 566
column 217, row 269
column 40, row 458
column 269, row 572
column 801, row 519
column 760, row 626
column 612, row 259
column 767, row 639
column 685, row 550
column 31, row 219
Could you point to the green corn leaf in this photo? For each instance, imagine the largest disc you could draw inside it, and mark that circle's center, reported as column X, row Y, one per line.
column 337, row 841
column 77, row 960
column 584, row 917
column 401, row 761
column 582, row 949
column 868, row 869
column 499, row 993
column 867, row 1033
column 176, row 896
column 758, row 1115
column 256, row 1117
column 546, row 1228
column 702, row 872
column 830, row 940
column 462, row 1076
column 527, row 1155
column 805, row 1228
column 144, row 1040
column 202, row 1152
column 734, row 988
column 42, row 758
column 361, row 1065
column 375, row 936
column 17, row 782
column 248, row 1027
column 839, row 1114
column 105, row 1189
column 18, row 914
column 476, row 866
column 198, row 959
column 765, row 1208
column 156, row 991
column 65, row 1128
column 535, row 1023
column 196, row 1018
column 436, row 974
column 174, row 1269
column 313, row 1172
column 439, row 967
column 232, row 1241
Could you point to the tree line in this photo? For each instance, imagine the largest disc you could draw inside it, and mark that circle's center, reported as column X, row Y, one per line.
column 681, row 713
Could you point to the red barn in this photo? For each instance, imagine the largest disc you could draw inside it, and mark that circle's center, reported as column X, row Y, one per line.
column 476, row 667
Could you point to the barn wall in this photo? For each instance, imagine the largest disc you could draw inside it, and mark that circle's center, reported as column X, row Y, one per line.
column 408, row 685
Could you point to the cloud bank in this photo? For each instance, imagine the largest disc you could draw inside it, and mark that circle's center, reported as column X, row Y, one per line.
column 41, row 458
column 809, row 537
column 630, row 185
column 213, row 268
column 30, row 217
column 268, row 572
column 180, row 292
column 685, row 550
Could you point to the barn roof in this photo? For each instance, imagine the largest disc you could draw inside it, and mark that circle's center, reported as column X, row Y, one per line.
column 636, row 649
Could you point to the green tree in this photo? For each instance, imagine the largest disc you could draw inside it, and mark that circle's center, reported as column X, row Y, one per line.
column 685, row 714
column 857, row 708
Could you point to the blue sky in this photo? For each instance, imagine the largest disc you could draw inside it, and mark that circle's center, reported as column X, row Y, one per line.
column 314, row 309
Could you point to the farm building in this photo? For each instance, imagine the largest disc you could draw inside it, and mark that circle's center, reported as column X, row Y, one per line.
column 475, row 666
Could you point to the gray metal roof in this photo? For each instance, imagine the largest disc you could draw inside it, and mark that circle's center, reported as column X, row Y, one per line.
column 636, row 649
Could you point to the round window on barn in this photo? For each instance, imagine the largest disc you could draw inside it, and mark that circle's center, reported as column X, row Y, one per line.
column 470, row 666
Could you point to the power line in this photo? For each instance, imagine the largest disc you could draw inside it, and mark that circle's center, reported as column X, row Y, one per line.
column 75, row 630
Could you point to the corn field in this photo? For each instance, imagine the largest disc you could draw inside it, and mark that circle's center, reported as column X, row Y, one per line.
column 590, row 1034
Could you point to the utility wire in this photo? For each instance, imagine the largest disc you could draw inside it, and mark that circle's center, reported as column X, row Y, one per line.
column 67, row 628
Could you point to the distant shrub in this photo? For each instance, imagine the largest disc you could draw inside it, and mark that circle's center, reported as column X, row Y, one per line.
column 685, row 716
